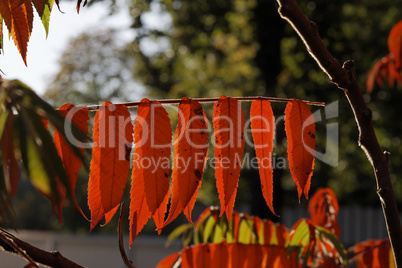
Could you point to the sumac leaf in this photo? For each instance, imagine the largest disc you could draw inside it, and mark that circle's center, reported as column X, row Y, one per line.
column 228, row 122
column 300, row 132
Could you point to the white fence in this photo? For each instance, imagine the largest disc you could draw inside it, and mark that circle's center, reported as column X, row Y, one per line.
column 357, row 224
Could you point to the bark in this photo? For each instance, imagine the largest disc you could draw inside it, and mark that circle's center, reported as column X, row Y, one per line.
column 344, row 78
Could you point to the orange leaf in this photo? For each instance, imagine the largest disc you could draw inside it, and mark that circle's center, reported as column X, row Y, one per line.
column 268, row 231
column 228, row 120
column 187, row 257
column 150, row 176
column 191, row 147
column 219, row 255
column 281, row 234
column 395, row 43
column 323, row 208
column 374, row 253
column 21, row 26
column 5, row 11
column 263, row 131
column 109, row 165
column 139, row 210
column 300, row 132
column 237, row 258
column 169, row 261
column 153, row 147
column 10, row 163
column 71, row 162
column 233, row 255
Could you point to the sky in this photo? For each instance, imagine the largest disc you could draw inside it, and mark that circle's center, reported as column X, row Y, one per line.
column 43, row 54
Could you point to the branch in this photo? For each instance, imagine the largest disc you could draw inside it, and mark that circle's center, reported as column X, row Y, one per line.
column 204, row 100
column 345, row 79
column 12, row 244
column 123, row 254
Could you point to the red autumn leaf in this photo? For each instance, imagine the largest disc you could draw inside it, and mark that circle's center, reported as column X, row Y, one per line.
column 201, row 256
column 395, row 44
column 219, row 255
column 153, row 126
column 109, row 166
column 139, row 210
column 5, row 11
column 300, row 132
column 236, row 224
column 190, row 152
column 237, row 258
column 228, row 121
column 323, row 208
column 232, row 255
column 373, row 254
column 10, row 163
column 21, row 25
column 281, row 234
column 169, row 261
column 187, row 257
column 39, row 5
column 385, row 68
column 71, row 162
column 150, row 176
column 263, row 131
column 268, row 231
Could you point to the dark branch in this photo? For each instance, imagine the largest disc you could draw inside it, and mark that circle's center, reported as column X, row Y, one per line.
column 34, row 255
column 345, row 79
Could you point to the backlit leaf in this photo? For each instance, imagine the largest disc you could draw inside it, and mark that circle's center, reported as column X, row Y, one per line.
column 300, row 132
column 395, row 44
column 150, row 176
column 190, row 152
column 228, row 122
column 22, row 18
column 323, row 208
column 71, row 162
column 109, row 166
column 44, row 7
column 169, row 261
column 263, row 131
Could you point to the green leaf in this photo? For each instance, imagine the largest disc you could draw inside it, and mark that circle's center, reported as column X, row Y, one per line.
column 218, row 234
column 177, row 232
column 36, row 170
column 245, row 232
column 45, row 17
column 187, row 236
column 58, row 121
column 302, row 231
column 40, row 144
column 209, row 227
column 3, row 121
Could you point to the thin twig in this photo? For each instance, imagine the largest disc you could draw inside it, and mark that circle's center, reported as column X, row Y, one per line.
column 345, row 79
column 121, row 243
column 12, row 244
column 7, row 238
column 206, row 100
